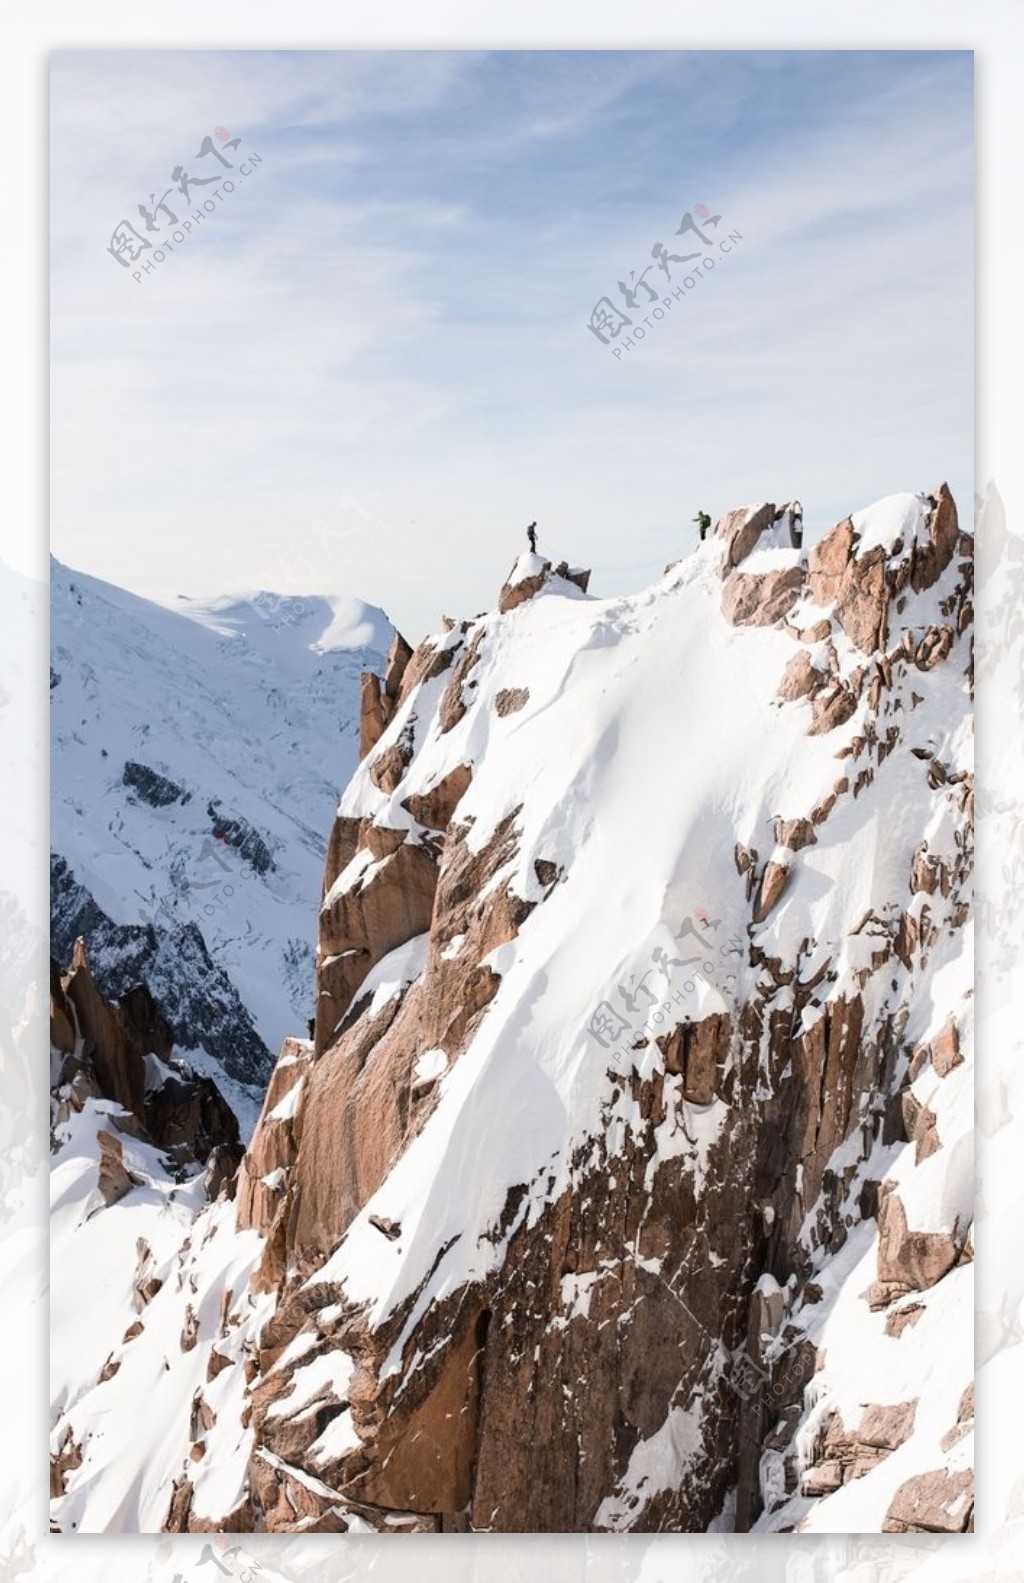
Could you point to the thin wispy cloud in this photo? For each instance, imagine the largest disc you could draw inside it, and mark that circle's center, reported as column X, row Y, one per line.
column 392, row 310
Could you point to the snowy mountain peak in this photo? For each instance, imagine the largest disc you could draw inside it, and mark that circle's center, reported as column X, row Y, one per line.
column 635, row 1132
column 197, row 751
column 321, row 622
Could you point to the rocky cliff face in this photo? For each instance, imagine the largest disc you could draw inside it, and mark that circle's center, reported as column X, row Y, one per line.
column 122, row 1054
column 626, row 1184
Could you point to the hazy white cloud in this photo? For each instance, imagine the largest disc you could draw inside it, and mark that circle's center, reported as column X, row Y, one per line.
column 390, row 312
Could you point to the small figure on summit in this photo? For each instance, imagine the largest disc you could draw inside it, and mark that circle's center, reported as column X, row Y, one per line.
column 531, row 534
column 703, row 521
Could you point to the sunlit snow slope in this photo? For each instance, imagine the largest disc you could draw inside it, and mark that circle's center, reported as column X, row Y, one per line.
column 626, row 1184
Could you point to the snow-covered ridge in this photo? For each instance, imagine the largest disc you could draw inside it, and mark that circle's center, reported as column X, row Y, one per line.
column 641, row 1078
column 319, row 622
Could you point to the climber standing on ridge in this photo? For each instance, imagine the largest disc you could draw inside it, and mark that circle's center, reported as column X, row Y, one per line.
column 531, row 534
column 703, row 521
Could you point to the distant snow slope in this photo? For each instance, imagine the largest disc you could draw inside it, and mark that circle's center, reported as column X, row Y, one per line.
column 197, row 752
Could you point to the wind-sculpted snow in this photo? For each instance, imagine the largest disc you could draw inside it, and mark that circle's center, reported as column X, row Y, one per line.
column 626, row 1182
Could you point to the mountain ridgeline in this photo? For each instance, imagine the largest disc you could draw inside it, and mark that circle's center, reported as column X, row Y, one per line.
column 626, row 1182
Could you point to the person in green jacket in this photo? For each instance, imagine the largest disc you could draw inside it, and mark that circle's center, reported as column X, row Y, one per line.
column 703, row 521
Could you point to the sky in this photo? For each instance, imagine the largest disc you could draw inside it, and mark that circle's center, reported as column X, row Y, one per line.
column 370, row 366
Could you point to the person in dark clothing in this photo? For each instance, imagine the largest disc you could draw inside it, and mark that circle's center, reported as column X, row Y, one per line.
column 531, row 534
column 703, row 521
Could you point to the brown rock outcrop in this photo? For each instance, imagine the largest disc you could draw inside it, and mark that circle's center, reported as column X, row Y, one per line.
column 399, row 655
column 964, row 1420
column 62, row 1016
column 494, row 1377
column 763, row 600
column 697, row 1052
column 910, row 1260
column 931, row 558
column 903, row 1318
column 650, row 1282
column 126, row 1056
column 517, row 593
column 801, row 678
column 453, row 701
column 794, row 833
column 579, row 575
column 831, row 708
column 389, row 766
column 943, row 1052
column 264, row 1195
column 741, row 530
column 374, row 1107
column 932, row 1503
column 115, row 1179
column 436, row 806
column 111, row 1037
column 360, row 925
column 773, row 882
column 860, row 586
column 373, row 712
column 879, row 1432
column 511, row 699
column 64, row 1461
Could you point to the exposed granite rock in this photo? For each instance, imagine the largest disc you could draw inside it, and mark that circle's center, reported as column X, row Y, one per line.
column 801, row 678
column 910, row 1260
column 645, row 1296
column 773, row 882
column 761, row 601
column 399, row 655
column 122, row 1051
column 388, row 905
column 531, row 573
column 511, row 699
column 195, row 997
column 742, row 529
column 372, row 712
column 932, row 1503
column 435, row 807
